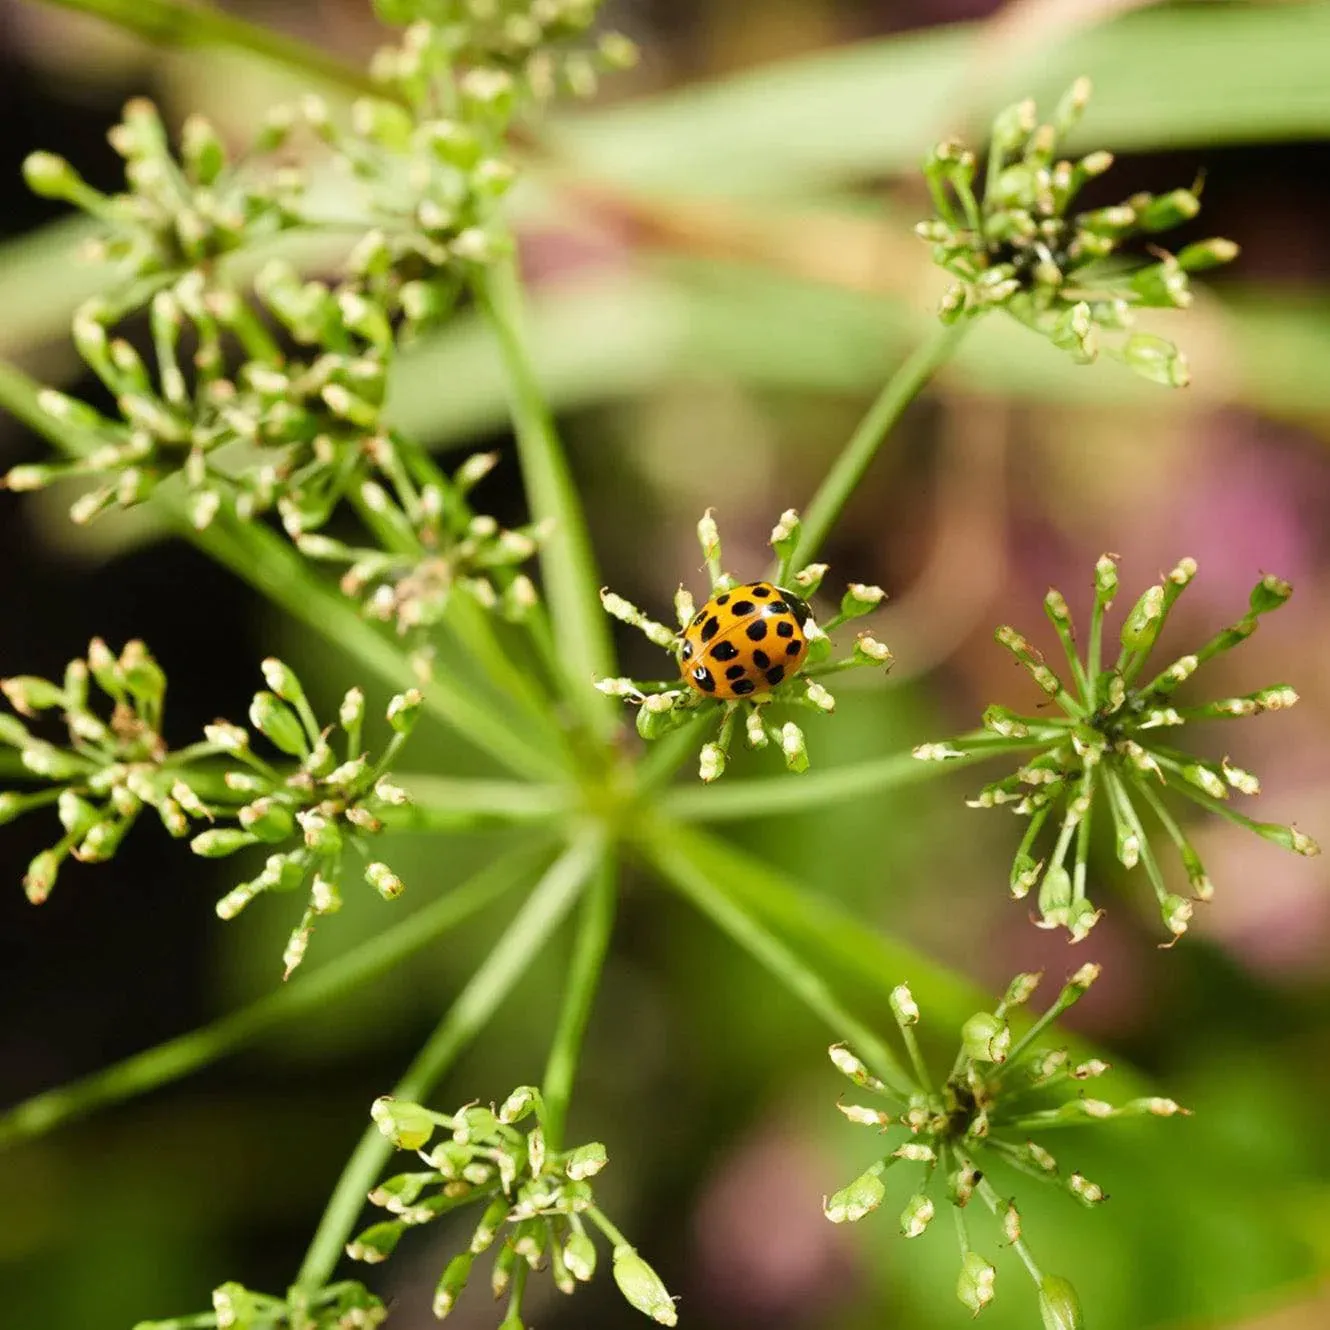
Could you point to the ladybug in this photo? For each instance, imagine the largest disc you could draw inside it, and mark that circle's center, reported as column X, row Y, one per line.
column 745, row 641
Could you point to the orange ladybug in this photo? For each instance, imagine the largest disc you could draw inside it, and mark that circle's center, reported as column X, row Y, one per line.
column 746, row 640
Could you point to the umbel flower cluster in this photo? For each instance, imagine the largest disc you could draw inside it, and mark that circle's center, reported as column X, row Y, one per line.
column 1017, row 243
column 536, row 1203
column 749, row 648
column 345, row 1305
column 271, row 395
column 306, row 805
column 1002, row 1090
column 1108, row 748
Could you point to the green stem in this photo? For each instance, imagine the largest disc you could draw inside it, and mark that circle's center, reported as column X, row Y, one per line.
column 440, row 803
column 475, row 1004
column 593, row 938
column 674, row 855
column 849, row 468
column 777, row 796
column 173, row 23
column 178, row 1057
column 567, row 560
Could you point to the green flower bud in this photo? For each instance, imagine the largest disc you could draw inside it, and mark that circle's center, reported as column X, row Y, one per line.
column 1022, row 989
column 376, row 1243
column 274, row 719
column 986, row 1037
column 975, row 1285
column 267, row 819
column 1165, row 211
column 579, row 1255
column 282, row 679
column 860, row 1198
column 202, row 150
column 77, row 815
column 404, row 710
column 850, row 1066
column 406, row 1125
column 785, row 535
column 384, row 880
column 794, row 747
column 585, row 1161
column 1156, row 359
column 641, row 1286
column 229, row 738
column 916, row 1216
column 711, row 762
column 218, row 842
column 859, row 600
column 1058, row 1304
column 1087, row 1192
column 1269, row 594
column 1207, row 254
column 40, row 877
column 28, row 694
column 234, row 1306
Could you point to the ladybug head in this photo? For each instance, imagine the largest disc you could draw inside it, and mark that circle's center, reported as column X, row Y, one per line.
column 798, row 605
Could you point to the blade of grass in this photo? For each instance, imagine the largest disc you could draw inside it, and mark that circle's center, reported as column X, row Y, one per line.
column 531, row 927
column 178, row 1057
column 176, row 24
column 572, row 581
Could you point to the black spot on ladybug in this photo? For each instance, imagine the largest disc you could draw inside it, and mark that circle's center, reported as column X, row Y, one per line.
column 793, row 648
column 735, row 672
column 743, row 687
column 743, row 608
column 724, row 651
column 710, row 628
column 700, row 615
column 778, row 607
column 784, row 628
column 723, row 600
column 761, row 659
column 775, row 675
column 760, row 591
column 756, row 631
column 704, row 680
column 688, row 651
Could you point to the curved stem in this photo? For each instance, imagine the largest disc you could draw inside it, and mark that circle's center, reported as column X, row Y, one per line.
column 172, row 23
column 474, row 1005
column 849, row 468
column 567, row 560
column 593, row 939
column 675, row 855
column 178, row 1057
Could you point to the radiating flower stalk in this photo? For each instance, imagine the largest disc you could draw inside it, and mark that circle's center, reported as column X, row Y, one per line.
column 113, row 766
column 345, row 1305
column 536, row 1204
column 1002, row 1090
column 664, row 706
column 1107, row 750
column 1077, row 278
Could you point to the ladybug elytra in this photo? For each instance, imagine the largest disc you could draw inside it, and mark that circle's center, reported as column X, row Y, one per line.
column 745, row 641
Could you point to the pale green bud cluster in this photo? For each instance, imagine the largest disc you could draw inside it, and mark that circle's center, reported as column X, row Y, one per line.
column 1113, row 748
column 535, row 1202
column 1003, row 1086
column 663, row 707
column 1016, row 242
column 346, row 1305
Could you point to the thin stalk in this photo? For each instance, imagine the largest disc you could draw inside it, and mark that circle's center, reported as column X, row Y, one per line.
column 178, row 1057
column 991, row 1199
column 475, row 1004
column 777, row 796
column 593, row 938
column 693, row 875
column 849, row 468
column 174, row 23
column 567, row 560
column 439, row 803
